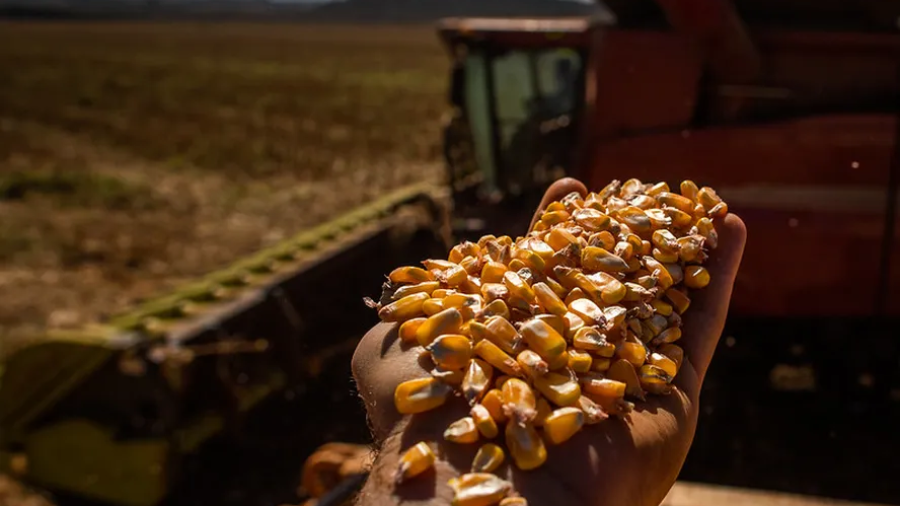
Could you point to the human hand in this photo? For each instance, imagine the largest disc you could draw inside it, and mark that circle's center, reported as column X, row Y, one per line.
column 632, row 461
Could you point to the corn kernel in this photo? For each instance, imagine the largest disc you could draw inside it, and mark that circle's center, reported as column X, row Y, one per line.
column 462, row 431
column 624, row 250
column 559, row 238
column 679, row 300
column 674, row 352
column 625, row 372
column 519, row 403
column 517, row 286
column 448, row 376
column 553, row 217
column 658, row 219
column 603, row 388
column 414, row 462
column 454, row 276
column 543, row 339
column 593, row 412
column 677, row 201
column 579, row 361
column 591, row 220
column 497, row 358
column 410, row 275
column 432, row 306
column 689, row 189
column 589, row 312
column 447, row 321
column 548, row 299
column 665, row 256
column 562, row 424
column 451, row 351
column 420, row 395
column 599, row 259
column 525, row 446
column 437, row 265
column 615, row 316
column 404, row 309
column 423, row 287
column 558, row 389
column 663, row 308
column 558, row 323
column 665, row 363
column 532, row 363
column 667, row 336
column 492, row 272
column 440, row 293
column 462, row 250
column 488, row 458
column 708, row 197
column 493, row 402
column 408, row 329
column 696, row 276
column 504, row 335
column 543, row 410
column 680, row 219
column 656, row 268
column 590, row 339
column 483, row 421
column 514, row 501
column 478, row 489
column 601, row 364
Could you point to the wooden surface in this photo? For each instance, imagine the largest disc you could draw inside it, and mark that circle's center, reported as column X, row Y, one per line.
column 696, row 494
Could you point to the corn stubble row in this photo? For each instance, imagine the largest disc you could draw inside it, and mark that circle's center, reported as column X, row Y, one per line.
column 555, row 330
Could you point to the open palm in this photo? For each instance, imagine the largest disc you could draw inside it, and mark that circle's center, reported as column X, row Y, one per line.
column 632, row 461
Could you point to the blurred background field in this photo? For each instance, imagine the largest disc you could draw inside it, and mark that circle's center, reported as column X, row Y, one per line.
column 137, row 156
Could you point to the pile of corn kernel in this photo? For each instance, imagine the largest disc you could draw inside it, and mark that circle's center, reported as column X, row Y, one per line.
column 555, row 330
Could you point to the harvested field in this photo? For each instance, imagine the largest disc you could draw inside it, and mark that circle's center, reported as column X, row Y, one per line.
column 134, row 157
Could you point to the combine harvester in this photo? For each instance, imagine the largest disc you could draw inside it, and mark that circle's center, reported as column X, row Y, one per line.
column 788, row 107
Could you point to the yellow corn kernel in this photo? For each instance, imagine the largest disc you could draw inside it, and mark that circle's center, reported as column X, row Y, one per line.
column 645, row 202
column 488, row 458
column 472, row 265
column 646, row 247
column 525, row 446
column 408, row 329
column 482, row 243
column 591, row 220
column 478, row 489
column 450, row 351
column 462, row 431
column 463, row 250
column 590, row 339
column 447, row 321
column 496, row 308
column 635, row 353
column 532, row 363
column 665, row 240
column 559, row 238
column 593, row 412
column 493, row 402
column 651, row 374
column 454, row 276
column 587, row 311
column 468, row 304
column 657, row 269
column 603, row 388
column 674, row 352
column 665, row 256
column 558, row 388
column 696, row 276
column 517, row 287
column 543, row 410
column 557, row 288
column 504, row 335
column 420, row 395
column 424, row 287
column 554, row 217
column 513, row 501
column 599, row 259
column 625, row 372
column 675, row 271
column 548, row 299
column 613, row 292
column 541, row 248
column 540, row 226
column 658, row 219
column 690, row 248
column 603, row 240
column 410, row 275
column 404, row 309
column 699, row 211
column 448, row 376
column 501, row 379
column 519, row 403
column 718, row 211
column 636, row 219
column 492, row 272
column 665, row 363
column 574, row 278
column 543, row 339
column 414, row 462
column 532, row 260
column 615, row 316
column 471, row 286
column 477, row 380
column 483, row 421
column 558, row 362
column 601, row 364
column 634, row 265
column 440, row 293
column 437, row 265
column 689, row 189
column 657, row 189
column 663, row 308
column 494, row 291
column 497, row 358
column 579, row 361
column 680, row 219
column 515, row 265
column 679, row 300
column 624, row 250
column 555, row 206
column 667, row 336
column 557, row 322
column 562, row 424
column 635, row 292
column 575, row 294
column 677, row 201
column 573, row 324
column 708, row 197
column 432, row 306
column 707, row 230
column 656, row 323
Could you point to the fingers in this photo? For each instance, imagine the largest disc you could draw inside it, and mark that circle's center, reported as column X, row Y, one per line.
column 705, row 319
column 558, row 190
